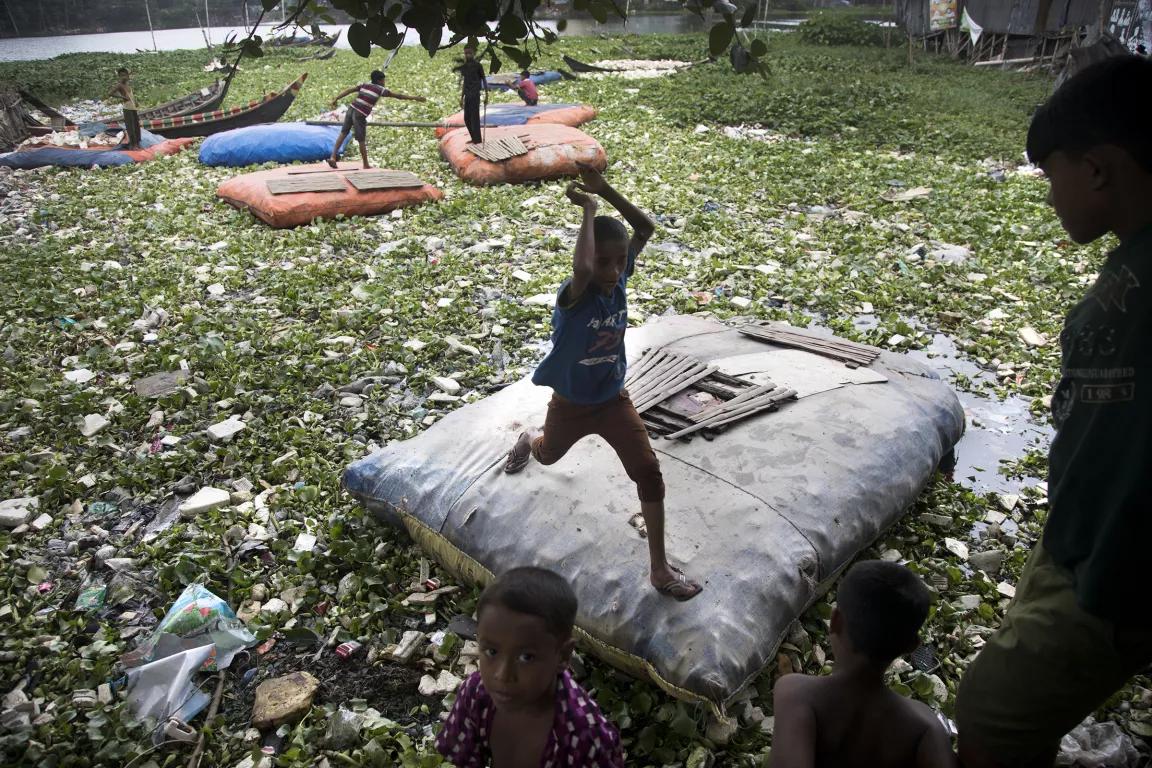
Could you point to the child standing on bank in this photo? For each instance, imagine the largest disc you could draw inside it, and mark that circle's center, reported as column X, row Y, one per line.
column 471, row 87
column 1076, row 632
column 122, row 90
column 356, row 121
column 850, row 718
column 523, row 709
column 587, row 364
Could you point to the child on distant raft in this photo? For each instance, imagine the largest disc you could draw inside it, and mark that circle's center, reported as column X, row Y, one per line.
column 356, row 121
column 587, row 364
column 523, row 709
column 527, row 89
column 850, row 718
column 122, row 90
column 471, row 87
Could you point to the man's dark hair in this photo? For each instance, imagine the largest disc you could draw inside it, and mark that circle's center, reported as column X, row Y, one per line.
column 122, row 71
column 536, row 592
column 1107, row 103
column 376, row 75
column 607, row 229
column 525, row 74
column 883, row 605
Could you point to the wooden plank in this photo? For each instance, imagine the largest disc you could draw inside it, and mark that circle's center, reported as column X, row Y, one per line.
column 368, row 180
column 746, row 409
column 498, row 150
column 677, row 373
column 748, row 394
column 287, row 186
column 646, row 361
column 679, row 386
column 298, row 171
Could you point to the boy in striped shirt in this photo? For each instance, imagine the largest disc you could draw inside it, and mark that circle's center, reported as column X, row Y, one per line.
column 356, row 121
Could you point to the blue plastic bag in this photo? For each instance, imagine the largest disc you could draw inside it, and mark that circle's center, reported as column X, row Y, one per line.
column 271, row 143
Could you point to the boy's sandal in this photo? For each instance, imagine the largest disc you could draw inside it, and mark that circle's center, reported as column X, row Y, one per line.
column 679, row 588
column 516, row 462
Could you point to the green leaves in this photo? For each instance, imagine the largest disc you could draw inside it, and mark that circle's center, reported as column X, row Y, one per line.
column 360, row 39
column 719, row 37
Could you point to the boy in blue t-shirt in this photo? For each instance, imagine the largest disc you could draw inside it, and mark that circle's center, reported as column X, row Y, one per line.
column 587, row 363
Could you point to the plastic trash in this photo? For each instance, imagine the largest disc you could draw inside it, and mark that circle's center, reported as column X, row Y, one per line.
column 1098, row 745
column 163, row 689
column 197, row 619
column 343, row 729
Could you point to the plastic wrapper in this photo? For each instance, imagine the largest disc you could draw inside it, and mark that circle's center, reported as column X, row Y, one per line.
column 198, row 618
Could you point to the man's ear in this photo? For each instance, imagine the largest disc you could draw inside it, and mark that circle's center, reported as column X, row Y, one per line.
column 566, row 649
column 1096, row 166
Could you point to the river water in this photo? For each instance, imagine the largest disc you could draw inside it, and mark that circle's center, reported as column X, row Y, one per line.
column 30, row 48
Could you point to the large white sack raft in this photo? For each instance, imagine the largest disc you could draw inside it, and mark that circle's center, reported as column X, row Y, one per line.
column 764, row 514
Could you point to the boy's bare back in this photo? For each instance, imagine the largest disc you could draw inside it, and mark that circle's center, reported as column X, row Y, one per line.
column 833, row 722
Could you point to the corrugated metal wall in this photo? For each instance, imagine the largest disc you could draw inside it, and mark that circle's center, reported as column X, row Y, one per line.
column 1017, row 17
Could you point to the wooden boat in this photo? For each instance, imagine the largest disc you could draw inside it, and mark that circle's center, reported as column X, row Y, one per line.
column 328, row 41
column 578, row 66
column 205, row 100
column 266, row 110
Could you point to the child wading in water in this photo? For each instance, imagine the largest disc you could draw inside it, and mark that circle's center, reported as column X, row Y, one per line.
column 850, row 718
column 523, row 709
column 587, row 364
column 356, row 121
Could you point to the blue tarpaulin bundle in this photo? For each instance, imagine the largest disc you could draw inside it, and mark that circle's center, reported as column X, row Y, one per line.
column 270, row 143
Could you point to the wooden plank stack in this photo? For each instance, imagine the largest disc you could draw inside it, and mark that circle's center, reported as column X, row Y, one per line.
column 379, row 179
column 677, row 395
column 848, row 352
column 504, row 148
column 310, row 183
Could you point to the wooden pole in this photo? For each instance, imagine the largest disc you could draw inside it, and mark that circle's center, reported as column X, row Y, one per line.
column 148, row 13
column 11, row 18
column 207, row 24
column 395, row 124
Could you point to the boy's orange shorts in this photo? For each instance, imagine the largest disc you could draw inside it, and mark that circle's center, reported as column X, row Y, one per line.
column 621, row 427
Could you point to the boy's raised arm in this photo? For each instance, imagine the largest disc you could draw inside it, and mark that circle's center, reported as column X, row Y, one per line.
column 404, row 97
column 591, row 180
column 584, row 257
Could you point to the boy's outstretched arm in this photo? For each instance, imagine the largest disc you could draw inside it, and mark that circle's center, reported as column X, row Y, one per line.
column 584, row 257
column 345, row 92
column 592, row 181
column 404, row 97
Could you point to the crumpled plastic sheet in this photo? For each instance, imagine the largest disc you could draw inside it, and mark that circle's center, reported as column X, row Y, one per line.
column 163, row 688
column 197, row 618
column 1098, row 745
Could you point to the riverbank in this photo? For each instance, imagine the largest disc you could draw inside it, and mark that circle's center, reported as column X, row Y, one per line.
column 883, row 200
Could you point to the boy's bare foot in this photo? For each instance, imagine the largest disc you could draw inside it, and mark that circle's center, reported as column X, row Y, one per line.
column 367, row 167
column 519, row 455
column 331, row 162
column 673, row 583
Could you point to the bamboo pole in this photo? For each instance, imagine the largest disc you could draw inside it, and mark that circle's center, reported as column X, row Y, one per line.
column 395, row 124
column 148, row 13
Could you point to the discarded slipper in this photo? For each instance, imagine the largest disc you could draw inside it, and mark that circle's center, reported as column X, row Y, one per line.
column 679, row 588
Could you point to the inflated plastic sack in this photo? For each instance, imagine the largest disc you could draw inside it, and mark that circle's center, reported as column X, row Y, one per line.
column 554, row 151
column 766, row 515
column 74, row 157
column 250, row 192
column 573, row 115
column 197, row 618
column 271, row 143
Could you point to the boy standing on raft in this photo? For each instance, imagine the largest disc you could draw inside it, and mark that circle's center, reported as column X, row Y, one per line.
column 587, row 364
column 471, row 86
column 356, row 121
